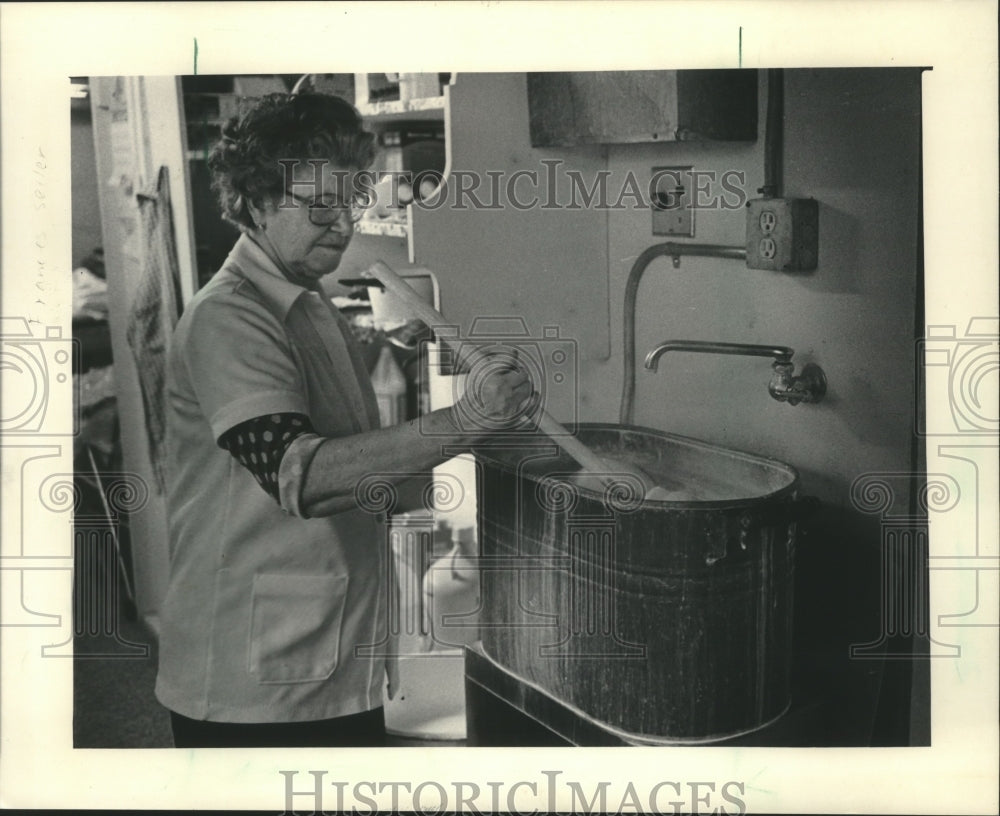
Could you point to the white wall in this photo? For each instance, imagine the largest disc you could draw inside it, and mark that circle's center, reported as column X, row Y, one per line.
column 852, row 141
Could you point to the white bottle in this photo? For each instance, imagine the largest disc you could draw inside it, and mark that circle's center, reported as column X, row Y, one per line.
column 451, row 594
column 390, row 389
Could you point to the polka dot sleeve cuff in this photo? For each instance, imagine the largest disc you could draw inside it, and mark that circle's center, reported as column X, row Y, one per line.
column 260, row 443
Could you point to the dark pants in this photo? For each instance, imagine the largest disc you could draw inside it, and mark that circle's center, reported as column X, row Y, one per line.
column 364, row 729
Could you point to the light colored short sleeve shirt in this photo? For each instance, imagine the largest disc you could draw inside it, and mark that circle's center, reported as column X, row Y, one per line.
column 270, row 616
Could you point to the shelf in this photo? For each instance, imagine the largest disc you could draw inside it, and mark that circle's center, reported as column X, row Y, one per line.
column 428, row 108
column 393, row 228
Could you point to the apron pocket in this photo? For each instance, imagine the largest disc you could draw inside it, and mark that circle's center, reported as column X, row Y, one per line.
column 295, row 626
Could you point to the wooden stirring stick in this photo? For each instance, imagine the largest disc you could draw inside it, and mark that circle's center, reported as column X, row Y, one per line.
column 586, row 458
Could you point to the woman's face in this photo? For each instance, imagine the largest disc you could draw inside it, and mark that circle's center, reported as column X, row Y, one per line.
column 307, row 250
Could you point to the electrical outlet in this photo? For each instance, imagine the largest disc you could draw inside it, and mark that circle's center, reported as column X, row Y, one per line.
column 783, row 234
column 670, row 201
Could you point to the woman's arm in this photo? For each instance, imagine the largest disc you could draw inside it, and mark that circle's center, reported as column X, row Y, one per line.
column 396, row 453
column 329, row 483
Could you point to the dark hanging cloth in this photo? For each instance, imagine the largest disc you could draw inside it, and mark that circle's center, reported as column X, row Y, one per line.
column 154, row 312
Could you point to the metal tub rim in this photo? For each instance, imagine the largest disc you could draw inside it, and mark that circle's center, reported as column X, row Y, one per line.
column 789, row 490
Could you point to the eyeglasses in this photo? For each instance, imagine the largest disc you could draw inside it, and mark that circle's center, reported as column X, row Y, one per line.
column 323, row 215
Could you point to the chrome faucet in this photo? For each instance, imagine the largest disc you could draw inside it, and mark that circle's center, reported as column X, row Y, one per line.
column 809, row 386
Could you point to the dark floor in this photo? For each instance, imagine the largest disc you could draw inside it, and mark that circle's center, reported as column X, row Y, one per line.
column 113, row 701
column 114, row 670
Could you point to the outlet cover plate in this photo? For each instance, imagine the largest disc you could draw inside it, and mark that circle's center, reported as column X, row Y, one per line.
column 783, row 234
column 670, row 201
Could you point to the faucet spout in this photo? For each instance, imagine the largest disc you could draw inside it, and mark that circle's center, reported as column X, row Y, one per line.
column 785, row 386
column 781, row 354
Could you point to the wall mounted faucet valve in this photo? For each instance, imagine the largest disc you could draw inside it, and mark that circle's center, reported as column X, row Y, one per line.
column 809, row 386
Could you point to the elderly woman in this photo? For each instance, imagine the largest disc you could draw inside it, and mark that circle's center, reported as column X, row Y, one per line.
column 277, row 576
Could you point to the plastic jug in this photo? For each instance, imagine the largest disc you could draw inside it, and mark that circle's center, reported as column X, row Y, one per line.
column 451, row 594
column 390, row 389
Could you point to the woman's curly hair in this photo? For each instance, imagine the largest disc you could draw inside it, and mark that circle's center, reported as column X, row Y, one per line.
column 245, row 161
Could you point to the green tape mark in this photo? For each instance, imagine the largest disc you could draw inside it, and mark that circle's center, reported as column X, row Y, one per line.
column 196, row 56
column 740, row 65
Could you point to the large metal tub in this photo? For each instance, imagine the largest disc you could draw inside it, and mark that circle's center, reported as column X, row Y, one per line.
column 671, row 620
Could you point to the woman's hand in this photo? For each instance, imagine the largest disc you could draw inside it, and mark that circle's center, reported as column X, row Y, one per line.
column 499, row 394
